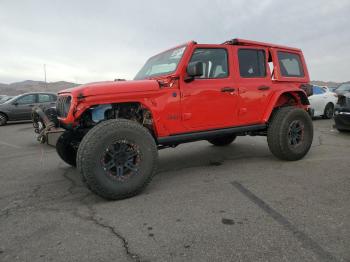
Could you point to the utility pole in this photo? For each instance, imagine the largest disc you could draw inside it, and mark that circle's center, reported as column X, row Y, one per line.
column 45, row 75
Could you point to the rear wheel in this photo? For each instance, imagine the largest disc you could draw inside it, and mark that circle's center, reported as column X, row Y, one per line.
column 3, row 119
column 342, row 130
column 290, row 133
column 117, row 158
column 223, row 140
column 328, row 111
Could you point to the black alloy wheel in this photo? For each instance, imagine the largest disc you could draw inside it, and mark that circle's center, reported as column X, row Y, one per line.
column 121, row 160
column 296, row 133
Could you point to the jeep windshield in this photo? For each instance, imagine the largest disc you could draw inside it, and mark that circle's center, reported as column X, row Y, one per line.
column 162, row 64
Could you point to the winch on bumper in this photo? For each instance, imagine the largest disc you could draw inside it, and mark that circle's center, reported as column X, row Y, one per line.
column 46, row 125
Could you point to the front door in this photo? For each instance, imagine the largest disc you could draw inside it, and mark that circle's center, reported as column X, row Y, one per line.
column 209, row 101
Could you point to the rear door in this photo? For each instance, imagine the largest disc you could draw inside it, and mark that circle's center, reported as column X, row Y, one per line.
column 254, row 83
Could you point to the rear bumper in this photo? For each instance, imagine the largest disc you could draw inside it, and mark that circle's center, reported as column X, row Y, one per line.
column 45, row 124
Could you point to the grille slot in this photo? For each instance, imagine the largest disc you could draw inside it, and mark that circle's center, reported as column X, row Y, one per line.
column 63, row 105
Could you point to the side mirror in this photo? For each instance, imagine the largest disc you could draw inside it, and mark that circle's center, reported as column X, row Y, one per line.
column 15, row 103
column 195, row 69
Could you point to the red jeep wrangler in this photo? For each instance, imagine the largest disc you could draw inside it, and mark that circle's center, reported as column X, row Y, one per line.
column 188, row 93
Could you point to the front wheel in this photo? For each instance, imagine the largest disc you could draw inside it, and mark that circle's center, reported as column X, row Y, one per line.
column 67, row 147
column 290, row 133
column 117, row 158
column 328, row 111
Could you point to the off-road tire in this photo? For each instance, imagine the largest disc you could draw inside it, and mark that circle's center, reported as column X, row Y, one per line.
column 223, row 140
column 3, row 119
column 94, row 146
column 328, row 111
column 66, row 148
column 279, row 130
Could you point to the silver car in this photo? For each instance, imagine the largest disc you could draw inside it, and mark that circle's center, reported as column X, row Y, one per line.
column 20, row 107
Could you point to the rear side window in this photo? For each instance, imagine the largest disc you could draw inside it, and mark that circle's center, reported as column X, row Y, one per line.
column 251, row 63
column 44, row 98
column 53, row 98
column 290, row 64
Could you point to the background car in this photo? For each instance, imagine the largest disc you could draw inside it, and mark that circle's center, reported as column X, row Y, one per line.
column 343, row 89
column 342, row 113
column 332, row 88
column 3, row 99
column 20, row 107
column 322, row 102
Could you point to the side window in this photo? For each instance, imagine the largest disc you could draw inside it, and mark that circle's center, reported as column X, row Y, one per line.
column 214, row 61
column 318, row 90
column 28, row 99
column 290, row 64
column 252, row 63
column 44, row 98
column 53, row 98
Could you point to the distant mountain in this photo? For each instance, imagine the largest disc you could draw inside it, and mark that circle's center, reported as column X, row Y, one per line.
column 323, row 83
column 32, row 86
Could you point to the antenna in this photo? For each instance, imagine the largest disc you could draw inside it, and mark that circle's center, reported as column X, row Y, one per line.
column 45, row 75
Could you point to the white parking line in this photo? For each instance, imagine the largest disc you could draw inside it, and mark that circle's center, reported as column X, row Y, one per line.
column 10, row 145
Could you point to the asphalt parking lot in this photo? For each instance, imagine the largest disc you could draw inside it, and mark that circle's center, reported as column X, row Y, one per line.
column 236, row 203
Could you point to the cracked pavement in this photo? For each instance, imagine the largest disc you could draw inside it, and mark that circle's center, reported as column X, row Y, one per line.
column 236, row 203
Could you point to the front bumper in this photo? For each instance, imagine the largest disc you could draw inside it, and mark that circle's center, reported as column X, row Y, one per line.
column 342, row 118
column 46, row 125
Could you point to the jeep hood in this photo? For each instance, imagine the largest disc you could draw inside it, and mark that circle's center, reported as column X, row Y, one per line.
column 112, row 87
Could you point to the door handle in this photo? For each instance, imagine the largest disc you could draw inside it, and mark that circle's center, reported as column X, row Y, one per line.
column 263, row 88
column 227, row 89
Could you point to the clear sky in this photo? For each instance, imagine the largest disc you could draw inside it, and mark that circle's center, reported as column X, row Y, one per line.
column 85, row 40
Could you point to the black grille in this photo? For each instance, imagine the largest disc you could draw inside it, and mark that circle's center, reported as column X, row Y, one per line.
column 63, row 105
